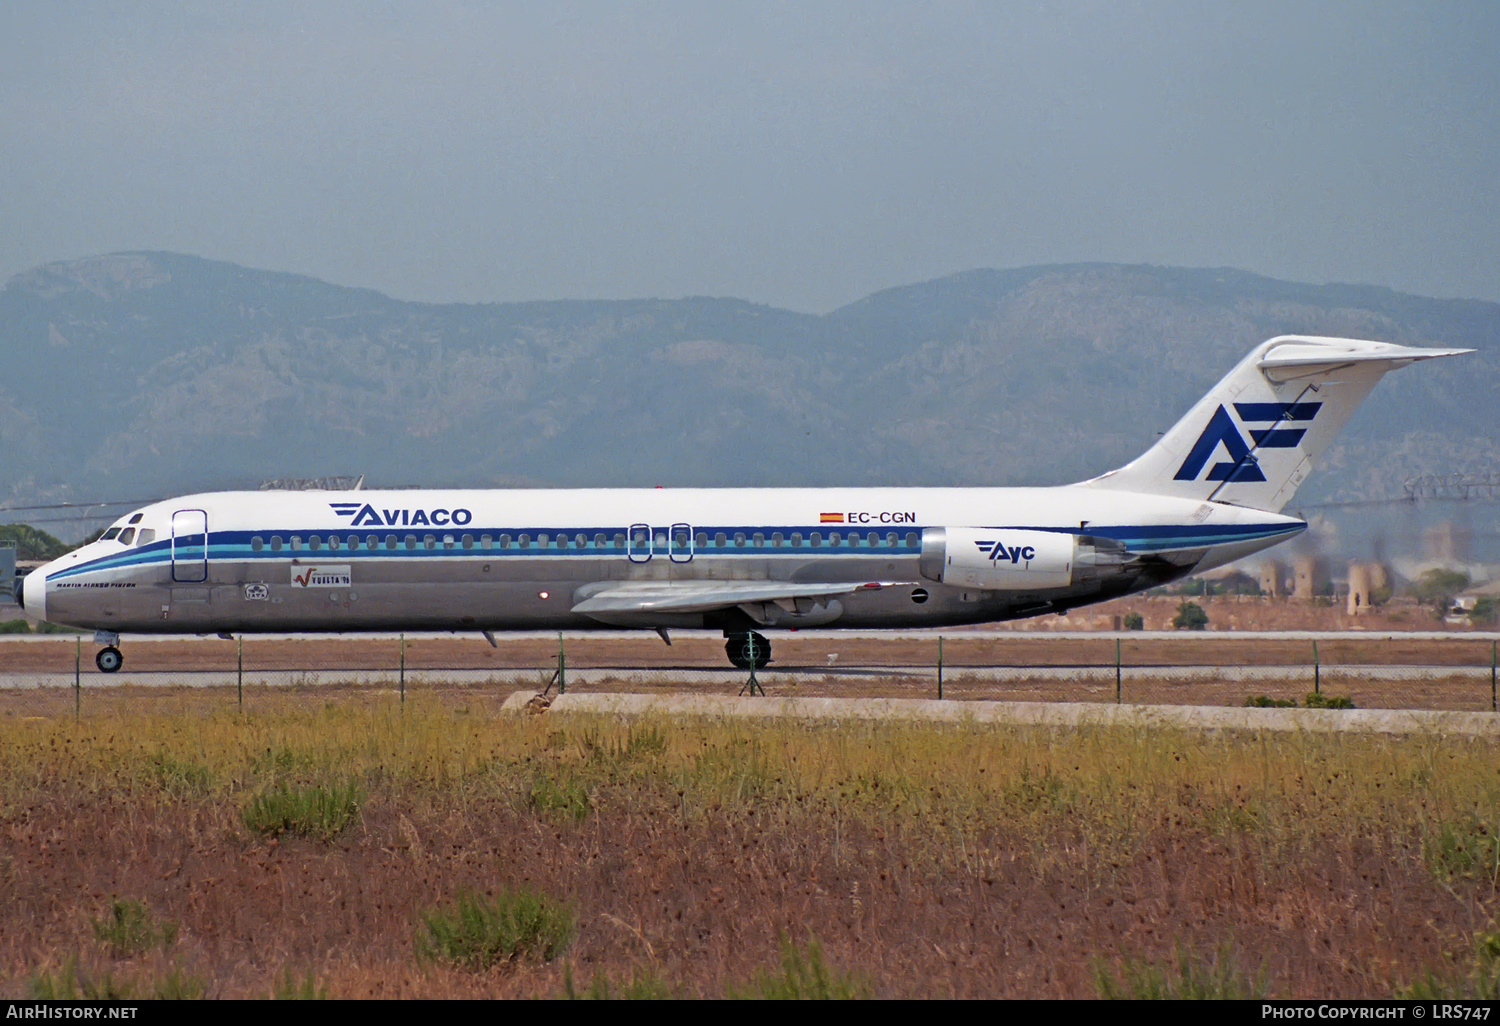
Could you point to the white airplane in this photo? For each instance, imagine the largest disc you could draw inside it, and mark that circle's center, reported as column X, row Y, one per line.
column 734, row 560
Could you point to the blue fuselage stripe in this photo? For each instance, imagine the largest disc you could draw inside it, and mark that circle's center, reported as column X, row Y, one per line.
column 240, row 546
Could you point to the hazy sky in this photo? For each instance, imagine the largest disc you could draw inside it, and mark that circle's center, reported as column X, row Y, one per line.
column 801, row 154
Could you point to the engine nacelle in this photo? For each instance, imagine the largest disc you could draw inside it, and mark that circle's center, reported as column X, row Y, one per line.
column 998, row 559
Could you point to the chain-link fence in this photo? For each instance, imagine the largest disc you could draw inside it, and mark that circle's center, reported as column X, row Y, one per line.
column 56, row 676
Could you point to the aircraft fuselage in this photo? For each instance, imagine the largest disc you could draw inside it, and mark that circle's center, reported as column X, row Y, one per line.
column 527, row 560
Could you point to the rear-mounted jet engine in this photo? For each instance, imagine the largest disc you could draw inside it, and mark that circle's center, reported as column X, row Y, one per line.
column 1007, row 559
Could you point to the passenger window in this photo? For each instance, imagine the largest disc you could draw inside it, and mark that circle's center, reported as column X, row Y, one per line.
column 890, row 539
column 485, row 541
column 719, row 540
column 111, row 534
column 701, row 541
column 776, row 539
column 353, row 541
column 275, row 543
column 796, row 539
column 581, row 540
column 619, row 541
column 296, row 542
column 256, row 544
column 505, row 541
column 390, row 541
column 815, row 539
column 562, row 541
column 598, row 541
column 315, row 543
column 911, row 539
column 524, row 541
column 428, row 541
column 468, row 541
column 411, row 541
column 757, row 539
column 739, row 539
column 447, row 541
column 127, row 536
column 834, row 538
column 146, row 537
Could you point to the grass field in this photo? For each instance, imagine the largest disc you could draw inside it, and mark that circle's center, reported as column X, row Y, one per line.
column 366, row 849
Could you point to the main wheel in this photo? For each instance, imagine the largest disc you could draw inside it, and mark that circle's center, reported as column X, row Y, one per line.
column 109, row 659
column 744, row 648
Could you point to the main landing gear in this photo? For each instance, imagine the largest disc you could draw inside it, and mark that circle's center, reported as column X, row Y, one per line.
column 109, row 658
column 746, row 648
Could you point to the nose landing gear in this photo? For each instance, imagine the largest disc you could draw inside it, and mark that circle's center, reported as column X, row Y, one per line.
column 109, row 658
column 745, row 648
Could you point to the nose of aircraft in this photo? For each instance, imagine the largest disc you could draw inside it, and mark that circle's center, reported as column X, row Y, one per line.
column 31, row 593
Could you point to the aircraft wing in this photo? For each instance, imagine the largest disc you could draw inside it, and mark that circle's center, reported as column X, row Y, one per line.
column 703, row 596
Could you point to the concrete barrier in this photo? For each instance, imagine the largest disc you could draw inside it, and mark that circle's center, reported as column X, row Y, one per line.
column 1045, row 714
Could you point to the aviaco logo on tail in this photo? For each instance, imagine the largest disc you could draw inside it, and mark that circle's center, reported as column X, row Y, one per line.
column 997, row 551
column 366, row 515
column 1242, row 465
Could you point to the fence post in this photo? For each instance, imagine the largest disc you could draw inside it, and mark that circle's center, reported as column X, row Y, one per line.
column 1492, row 675
column 940, row 667
column 403, row 671
column 1317, row 677
column 1117, row 671
column 562, row 667
column 77, row 675
column 239, row 672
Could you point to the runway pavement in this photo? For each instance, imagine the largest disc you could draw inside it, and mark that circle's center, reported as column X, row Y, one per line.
column 701, row 677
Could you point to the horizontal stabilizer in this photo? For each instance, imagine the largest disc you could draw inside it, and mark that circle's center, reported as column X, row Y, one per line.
column 1326, row 354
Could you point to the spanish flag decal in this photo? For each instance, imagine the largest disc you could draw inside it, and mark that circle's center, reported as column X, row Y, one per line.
column 830, row 518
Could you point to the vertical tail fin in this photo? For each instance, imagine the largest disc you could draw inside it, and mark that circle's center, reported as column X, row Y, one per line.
column 1253, row 439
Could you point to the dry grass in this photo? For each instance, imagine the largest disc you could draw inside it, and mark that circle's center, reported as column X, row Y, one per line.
column 914, row 860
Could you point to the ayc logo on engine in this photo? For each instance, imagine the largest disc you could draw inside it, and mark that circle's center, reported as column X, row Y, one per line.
column 1242, row 464
column 997, row 551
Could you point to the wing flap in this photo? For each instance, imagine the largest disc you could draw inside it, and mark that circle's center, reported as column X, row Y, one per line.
column 698, row 596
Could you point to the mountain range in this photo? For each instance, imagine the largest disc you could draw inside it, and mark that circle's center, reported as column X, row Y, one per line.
column 140, row 375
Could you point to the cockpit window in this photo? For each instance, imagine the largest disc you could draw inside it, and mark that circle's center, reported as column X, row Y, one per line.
column 127, row 536
column 110, row 534
column 146, row 537
column 137, row 518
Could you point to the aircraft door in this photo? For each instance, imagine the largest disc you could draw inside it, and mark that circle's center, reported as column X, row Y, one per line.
column 190, row 546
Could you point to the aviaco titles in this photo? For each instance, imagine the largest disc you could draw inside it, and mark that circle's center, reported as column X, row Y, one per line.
column 740, row 561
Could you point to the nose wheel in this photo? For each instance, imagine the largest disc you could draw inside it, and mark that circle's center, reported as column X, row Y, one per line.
column 109, row 659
